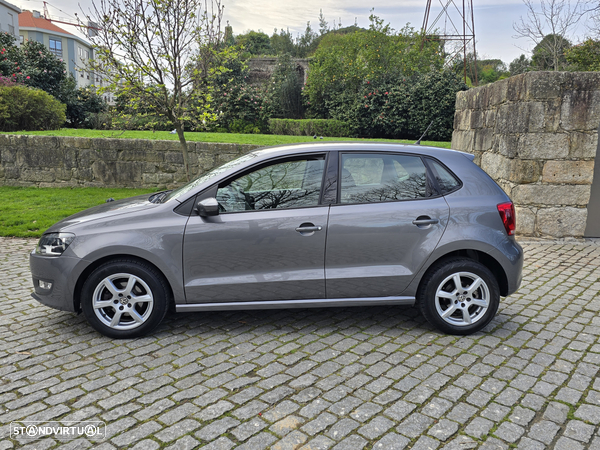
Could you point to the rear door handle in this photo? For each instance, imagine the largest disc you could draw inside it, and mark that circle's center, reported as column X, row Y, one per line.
column 424, row 221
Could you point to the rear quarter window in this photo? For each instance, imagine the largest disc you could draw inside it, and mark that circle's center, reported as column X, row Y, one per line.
column 446, row 181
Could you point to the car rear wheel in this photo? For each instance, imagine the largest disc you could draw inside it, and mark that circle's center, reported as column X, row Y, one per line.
column 125, row 299
column 459, row 296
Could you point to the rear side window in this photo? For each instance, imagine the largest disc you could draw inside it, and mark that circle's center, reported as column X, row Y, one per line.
column 372, row 178
column 445, row 180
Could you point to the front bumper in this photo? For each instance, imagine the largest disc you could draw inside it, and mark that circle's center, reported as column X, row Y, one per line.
column 61, row 272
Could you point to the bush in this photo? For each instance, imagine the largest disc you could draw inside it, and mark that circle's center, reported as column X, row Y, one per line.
column 242, row 108
column 403, row 109
column 585, row 56
column 309, row 127
column 27, row 109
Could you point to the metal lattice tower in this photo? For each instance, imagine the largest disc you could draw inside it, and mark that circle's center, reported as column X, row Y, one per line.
column 455, row 22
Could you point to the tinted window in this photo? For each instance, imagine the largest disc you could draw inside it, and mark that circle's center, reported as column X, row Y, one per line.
column 367, row 178
column 289, row 184
column 446, row 181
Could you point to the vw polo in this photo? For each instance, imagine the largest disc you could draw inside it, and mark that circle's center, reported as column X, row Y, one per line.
column 300, row 226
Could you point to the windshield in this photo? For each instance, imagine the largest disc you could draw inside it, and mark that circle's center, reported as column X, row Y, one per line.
column 206, row 176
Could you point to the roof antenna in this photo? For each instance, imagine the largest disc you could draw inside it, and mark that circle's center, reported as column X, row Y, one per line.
column 423, row 135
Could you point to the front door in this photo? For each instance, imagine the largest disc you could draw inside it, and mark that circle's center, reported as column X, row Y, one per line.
column 268, row 241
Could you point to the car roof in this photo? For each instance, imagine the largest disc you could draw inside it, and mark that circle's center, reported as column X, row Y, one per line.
column 353, row 146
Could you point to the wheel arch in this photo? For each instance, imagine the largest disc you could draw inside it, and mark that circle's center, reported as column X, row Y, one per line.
column 97, row 263
column 486, row 259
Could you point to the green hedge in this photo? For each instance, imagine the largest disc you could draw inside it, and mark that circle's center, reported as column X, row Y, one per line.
column 27, row 109
column 309, row 127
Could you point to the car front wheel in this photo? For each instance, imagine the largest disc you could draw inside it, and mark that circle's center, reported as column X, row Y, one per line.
column 459, row 296
column 124, row 299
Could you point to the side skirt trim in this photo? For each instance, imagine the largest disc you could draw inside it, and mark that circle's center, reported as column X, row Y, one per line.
column 289, row 304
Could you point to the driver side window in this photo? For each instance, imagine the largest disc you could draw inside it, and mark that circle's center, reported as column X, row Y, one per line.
column 282, row 185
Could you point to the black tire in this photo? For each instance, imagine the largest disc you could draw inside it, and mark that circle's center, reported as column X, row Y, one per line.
column 124, row 299
column 459, row 311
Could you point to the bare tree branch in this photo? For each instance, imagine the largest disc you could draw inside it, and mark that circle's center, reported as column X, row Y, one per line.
column 149, row 48
column 548, row 26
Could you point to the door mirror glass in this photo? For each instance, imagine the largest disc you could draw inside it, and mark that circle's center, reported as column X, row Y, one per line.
column 208, row 207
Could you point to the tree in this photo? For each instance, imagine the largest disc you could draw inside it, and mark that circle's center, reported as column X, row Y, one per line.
column 33, row 65
column 549, row 54
column 282, row 42
column 255, row 43
column 323, row 25
column 585, row 56
column 143, row 43
column 548, row 28
column 287, row 90
column 519, row 65
column 343, row 63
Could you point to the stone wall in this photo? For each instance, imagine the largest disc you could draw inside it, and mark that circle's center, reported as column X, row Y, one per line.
column 260, row 70
column 46, row 161
column 536, row 134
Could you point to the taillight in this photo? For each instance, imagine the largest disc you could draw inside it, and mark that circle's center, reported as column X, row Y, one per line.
column 507, row 214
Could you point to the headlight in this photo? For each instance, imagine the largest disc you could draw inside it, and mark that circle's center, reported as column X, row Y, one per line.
column 54, row 244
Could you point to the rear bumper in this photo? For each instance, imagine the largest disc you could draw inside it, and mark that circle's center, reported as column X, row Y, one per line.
column 511, row 257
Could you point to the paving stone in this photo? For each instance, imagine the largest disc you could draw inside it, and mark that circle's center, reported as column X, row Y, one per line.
column 342, row 428
column 509, row 432
column 258, row 442
column 392, row 441
column 319, row 424
column 564, row 443
column 351, row 443
column 291, row 442
column 375, row 428
column 589, row 413
column 521, row 416
column 222, row 443
column 399, row 410
column 436, row 407
column 425, row 443
column 414, row 425
column 556, row 412
column 479, row 427
column 579, row 431
column 544, row 431
column 216, row 428
column 286, row 425
column 495, row 412
column 529, row 444
column 318, row 443
column 247, row 429
column 443, row 429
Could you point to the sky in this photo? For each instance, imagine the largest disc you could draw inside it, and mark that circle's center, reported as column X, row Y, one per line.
column 493, row 19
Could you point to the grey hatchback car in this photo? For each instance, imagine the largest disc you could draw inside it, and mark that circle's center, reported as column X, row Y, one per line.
column 299, row 226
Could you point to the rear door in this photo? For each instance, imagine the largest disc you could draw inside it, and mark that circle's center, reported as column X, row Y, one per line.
column 387, row 220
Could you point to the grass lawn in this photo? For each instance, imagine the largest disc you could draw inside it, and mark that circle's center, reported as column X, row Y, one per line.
column 29, row 211
column 255, row 139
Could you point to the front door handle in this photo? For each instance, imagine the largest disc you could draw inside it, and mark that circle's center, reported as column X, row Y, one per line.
column 308, row 229
column 423, row 221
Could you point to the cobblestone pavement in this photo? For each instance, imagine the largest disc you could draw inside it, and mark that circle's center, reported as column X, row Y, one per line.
column 341, row 378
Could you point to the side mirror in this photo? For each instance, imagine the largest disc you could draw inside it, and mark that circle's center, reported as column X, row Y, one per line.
column 208, row 207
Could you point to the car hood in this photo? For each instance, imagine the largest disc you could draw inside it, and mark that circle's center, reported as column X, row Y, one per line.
column 105, row 210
